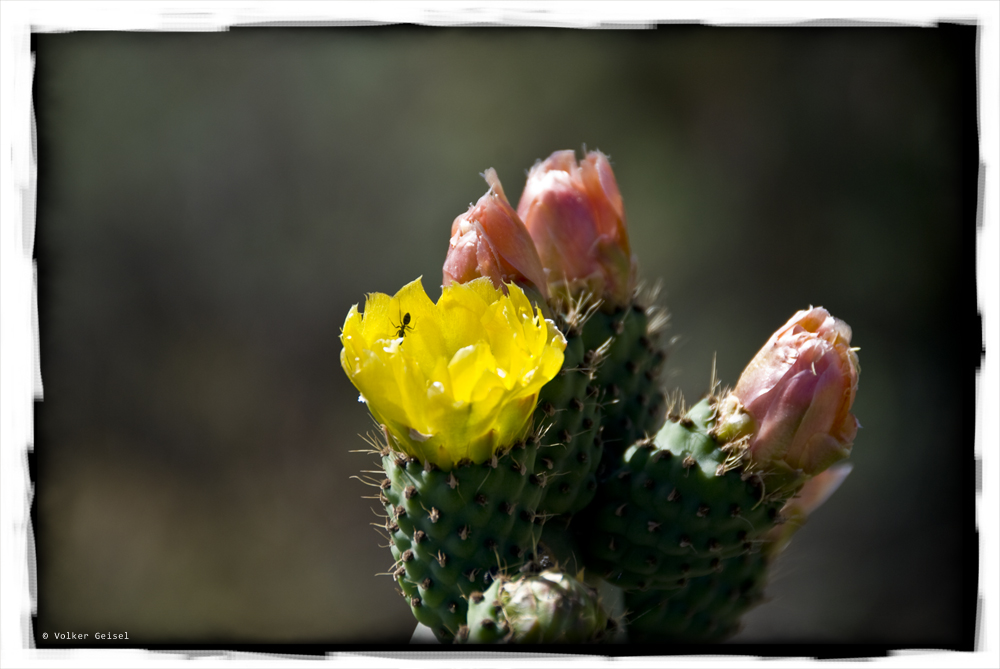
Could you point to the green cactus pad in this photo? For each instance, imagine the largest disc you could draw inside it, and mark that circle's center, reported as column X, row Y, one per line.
column 706, row 610
column 568, row 422
column 550, row 607
column 624, row 345
column 675, row 509
column 452, row 531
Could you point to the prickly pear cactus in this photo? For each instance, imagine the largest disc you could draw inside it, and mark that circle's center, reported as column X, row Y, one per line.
column 550, row 607
column 705, row 610
column 676, row 508
column 523, row 419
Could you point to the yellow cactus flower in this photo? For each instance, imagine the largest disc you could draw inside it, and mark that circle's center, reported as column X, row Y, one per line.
column 454, row 380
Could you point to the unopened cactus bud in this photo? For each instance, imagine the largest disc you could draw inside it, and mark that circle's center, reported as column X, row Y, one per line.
column 490, row 240
column 794, row 398
column 575, row 215
column 550, row 607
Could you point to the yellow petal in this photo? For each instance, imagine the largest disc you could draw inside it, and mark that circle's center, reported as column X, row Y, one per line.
column 467, row 367
column 452, row 380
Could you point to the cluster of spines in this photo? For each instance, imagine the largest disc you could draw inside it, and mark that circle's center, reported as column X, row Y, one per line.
column 488, row 623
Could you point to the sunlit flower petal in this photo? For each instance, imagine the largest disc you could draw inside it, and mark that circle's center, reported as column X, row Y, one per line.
column 453, row 380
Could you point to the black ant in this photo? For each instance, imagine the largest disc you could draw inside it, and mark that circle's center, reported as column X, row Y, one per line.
column 404, row 325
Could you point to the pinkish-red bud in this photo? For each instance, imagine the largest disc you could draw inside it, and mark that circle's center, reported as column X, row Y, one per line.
column 798, row 391
column 575, row 214
column 490, row 240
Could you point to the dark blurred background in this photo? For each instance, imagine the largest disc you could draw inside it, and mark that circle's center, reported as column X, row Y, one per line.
column 211, row 205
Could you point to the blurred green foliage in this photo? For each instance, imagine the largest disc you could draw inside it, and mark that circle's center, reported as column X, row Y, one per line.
column 210, row 205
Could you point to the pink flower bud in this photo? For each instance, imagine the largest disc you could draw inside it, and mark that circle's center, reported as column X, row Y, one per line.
column 490, row 240
column 575, row 214
column 795, row 396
